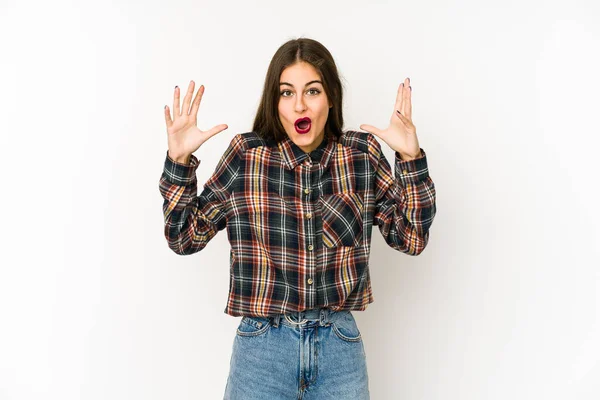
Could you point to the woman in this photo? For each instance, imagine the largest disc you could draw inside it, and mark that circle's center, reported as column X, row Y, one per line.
column 299, row 198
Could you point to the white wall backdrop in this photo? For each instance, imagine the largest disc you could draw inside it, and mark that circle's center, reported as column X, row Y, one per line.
column 504, row 303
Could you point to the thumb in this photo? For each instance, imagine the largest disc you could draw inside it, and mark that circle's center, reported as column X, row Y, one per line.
column 215, row 129
column 371, row 129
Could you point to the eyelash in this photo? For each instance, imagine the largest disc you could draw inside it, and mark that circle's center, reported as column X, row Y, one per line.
column 317, row 91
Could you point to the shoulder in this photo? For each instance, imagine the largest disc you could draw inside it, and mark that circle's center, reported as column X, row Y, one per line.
column 242, row 142
column 362, row 141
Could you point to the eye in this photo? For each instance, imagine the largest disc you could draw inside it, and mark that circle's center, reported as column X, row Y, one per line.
column 283, row 93
column 314, row 91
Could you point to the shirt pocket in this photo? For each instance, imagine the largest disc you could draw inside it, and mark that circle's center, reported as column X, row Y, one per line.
column 266, row 219
column 342, row 217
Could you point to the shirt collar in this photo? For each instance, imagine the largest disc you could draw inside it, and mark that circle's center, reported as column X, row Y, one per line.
column 293, row 155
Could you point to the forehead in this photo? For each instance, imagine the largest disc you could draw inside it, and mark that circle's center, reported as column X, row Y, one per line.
column 298, row 74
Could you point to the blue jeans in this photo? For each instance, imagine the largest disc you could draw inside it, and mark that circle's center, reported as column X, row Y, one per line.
column 308, row 355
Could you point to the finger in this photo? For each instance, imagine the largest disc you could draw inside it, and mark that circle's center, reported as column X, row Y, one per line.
column 371, row 129
column 407, row 100
column 405, row 90
column 215, row 129
column 168, row 119
column 407, row 123
column 196, row 103
column 399, row 98
column 188, row 98
column 401, row 117
column 176, row 111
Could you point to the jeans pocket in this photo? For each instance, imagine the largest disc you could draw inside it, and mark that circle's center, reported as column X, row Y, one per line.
column 345, row 328
column 253, row 326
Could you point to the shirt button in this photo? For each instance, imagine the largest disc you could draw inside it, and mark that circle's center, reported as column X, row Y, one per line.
column 310, row 247
column 404, row 172
column 308, row 215
column 310, row 281
column 306, row 191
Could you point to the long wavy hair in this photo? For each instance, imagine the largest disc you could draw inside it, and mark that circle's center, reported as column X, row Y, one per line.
column 266, row 122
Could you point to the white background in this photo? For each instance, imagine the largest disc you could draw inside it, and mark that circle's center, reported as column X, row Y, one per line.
column 504, row 303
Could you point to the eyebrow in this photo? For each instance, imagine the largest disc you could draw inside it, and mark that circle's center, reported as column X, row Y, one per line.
column 309, row 83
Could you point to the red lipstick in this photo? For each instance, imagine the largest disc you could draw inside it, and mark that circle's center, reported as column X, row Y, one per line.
column 302, row 125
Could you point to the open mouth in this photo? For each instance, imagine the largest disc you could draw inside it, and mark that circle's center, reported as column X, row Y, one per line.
column 302, row 125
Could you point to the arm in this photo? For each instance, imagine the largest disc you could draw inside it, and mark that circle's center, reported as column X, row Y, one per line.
column 405, row 204
column 192, row 221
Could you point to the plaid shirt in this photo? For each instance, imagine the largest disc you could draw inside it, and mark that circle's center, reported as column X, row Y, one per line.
column 299, row 224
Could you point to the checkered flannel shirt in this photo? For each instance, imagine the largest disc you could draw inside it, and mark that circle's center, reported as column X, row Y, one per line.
column 299, row 224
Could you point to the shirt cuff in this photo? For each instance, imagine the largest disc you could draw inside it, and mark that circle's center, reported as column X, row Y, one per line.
column 411, row 171
column 180, row 174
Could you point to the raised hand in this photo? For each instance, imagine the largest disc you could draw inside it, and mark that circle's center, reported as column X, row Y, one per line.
column 183, row 134
column 401, row 135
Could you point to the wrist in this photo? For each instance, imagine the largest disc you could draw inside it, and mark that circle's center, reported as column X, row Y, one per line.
column 405, row 157
column 181, row 159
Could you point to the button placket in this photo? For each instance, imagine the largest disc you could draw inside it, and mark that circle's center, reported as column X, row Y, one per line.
column 310, row 232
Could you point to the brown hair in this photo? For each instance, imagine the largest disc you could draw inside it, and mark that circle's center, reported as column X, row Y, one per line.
column 266, row 122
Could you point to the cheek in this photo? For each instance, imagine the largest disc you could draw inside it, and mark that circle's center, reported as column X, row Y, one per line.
column 324, row 113
column 282, row 113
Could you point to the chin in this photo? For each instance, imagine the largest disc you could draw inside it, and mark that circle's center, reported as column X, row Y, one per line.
column 305, row 140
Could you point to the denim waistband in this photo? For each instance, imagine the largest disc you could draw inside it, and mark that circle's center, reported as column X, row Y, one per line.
column 323, row 315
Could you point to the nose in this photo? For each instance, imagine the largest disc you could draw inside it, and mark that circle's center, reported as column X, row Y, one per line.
column 300, row 106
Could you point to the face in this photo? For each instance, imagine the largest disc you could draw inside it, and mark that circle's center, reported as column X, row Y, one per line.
column 303, row 105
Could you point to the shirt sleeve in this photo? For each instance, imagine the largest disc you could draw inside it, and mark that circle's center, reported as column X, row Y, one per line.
column 405, row 204
column 191, row 221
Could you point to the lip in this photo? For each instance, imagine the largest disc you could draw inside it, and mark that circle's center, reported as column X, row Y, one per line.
column 300, row 120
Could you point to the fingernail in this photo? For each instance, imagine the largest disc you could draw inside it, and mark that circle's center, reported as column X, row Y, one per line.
column 176, row 87
column 410, row 87
column 165, row 106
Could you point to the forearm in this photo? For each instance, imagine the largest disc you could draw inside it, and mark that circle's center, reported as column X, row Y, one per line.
column 407, row 210
column 187, row 228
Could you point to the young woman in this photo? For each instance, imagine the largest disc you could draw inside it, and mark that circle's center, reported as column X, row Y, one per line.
column 299, row 198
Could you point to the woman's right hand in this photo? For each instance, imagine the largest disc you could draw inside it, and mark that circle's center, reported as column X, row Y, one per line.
column 183, row 134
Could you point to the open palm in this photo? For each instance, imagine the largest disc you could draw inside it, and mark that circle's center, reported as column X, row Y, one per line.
column 401, row 134
column 183, row 134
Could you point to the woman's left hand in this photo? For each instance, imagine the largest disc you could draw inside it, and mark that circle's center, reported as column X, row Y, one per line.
column 401, row 135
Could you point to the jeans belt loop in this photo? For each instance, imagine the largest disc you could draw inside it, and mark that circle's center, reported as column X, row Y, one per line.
column 296, row 323
column 323, row 317
column 275, row 320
